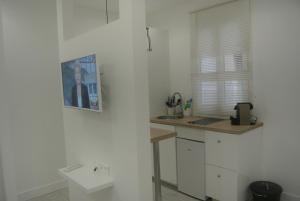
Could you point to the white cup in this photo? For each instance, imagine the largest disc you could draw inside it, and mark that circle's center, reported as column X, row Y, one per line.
column 187, row 112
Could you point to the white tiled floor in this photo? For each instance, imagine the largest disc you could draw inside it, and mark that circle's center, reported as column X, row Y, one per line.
column 62, row 195
column 170, row 195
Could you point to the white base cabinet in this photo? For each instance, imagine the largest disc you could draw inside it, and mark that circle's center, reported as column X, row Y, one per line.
column 232, row 163
column 221, row 184
column 222, row 150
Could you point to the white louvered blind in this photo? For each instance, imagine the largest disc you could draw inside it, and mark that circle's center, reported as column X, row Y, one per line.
column 221, row 73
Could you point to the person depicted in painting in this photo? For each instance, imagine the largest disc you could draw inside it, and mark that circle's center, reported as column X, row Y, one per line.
column 80, row 94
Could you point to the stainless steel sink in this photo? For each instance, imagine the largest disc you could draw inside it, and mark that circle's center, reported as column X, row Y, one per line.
column 166, row 117
column 206, row 121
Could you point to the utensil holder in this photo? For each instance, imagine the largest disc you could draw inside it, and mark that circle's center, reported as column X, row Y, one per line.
column 170, row 110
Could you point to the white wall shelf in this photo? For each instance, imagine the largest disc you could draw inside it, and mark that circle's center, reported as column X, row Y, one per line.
column 90, row 179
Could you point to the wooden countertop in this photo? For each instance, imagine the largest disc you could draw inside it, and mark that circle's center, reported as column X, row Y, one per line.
column 221, row 126
column 161, row 134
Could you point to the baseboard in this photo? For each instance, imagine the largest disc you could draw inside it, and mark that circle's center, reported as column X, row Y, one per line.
column 285, row 196
column 42, row 190
column 290, row 197
column 167, row 184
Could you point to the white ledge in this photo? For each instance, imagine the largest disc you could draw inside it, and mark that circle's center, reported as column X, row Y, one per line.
column 90, row 179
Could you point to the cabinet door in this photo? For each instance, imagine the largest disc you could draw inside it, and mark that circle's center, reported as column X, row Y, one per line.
column 191, row 168
column 221, row 184
column 221, row 150
column 213, row 182
column 190, row 133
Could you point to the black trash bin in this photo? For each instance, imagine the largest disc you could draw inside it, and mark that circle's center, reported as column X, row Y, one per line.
column 265, row 191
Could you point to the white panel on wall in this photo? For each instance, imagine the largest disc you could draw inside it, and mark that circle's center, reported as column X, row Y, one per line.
column 33, row 106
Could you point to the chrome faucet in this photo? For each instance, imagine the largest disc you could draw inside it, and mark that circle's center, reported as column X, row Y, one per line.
column 177, row 104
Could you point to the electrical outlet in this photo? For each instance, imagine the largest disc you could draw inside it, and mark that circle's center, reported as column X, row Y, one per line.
column 107, row 169
column 102, row 169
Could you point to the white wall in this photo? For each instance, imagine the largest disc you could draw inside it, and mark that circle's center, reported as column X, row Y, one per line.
column 276, row 47
column 119, row 136
column 33, row 104
column 6, row 150
column 80, row 19
column 2, row 195
column 83, row 16
column 159, row 88
column 159, row 71
column 178, row 23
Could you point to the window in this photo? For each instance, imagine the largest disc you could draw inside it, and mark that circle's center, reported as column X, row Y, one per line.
column 221, row 73
column 95, row 88
column 90, row 88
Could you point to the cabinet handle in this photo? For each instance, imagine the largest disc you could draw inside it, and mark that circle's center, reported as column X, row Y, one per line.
column 219, row 141
column 219, row 176
column 149, row 40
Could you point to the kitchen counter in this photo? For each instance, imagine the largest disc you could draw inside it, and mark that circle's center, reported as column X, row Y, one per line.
column 221, row 126
column 161, row 134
